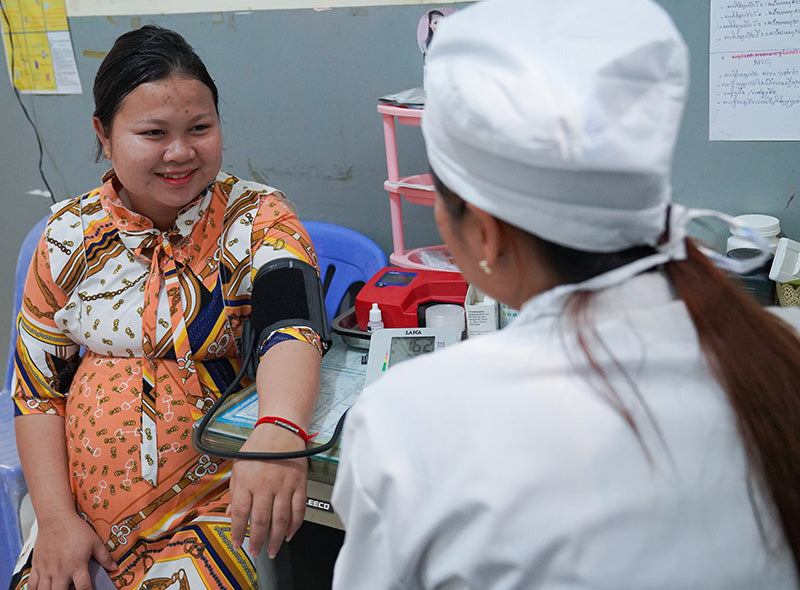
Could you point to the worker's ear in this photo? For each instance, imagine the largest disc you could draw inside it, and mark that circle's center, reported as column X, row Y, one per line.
column 491, row 234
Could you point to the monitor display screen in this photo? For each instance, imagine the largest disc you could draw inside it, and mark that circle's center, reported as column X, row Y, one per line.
column 403, row 348
column 395, row 278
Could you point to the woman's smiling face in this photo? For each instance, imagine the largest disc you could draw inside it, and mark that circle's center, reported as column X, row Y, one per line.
column 165, row 144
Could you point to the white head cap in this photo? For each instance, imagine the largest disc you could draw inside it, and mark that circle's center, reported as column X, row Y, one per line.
column 559, row 117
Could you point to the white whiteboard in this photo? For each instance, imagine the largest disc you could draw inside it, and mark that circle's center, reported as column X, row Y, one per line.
column 132, row 7
column 754, row 70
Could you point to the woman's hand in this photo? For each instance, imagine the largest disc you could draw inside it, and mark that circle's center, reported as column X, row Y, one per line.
column 270, row 494
column 62, row 552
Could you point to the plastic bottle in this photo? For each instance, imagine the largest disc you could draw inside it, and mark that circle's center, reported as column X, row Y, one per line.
column 375, row 318
column 447, row 315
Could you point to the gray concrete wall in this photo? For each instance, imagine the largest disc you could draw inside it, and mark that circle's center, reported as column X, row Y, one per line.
column 299, row 91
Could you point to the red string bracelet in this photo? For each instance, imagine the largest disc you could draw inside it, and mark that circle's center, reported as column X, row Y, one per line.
column 288, row 425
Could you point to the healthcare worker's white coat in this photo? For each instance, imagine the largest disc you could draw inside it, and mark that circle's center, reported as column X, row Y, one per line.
column 494, row 465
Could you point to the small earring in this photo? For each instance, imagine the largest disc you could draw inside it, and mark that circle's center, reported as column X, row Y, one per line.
column 485, row 267
column 107, row 155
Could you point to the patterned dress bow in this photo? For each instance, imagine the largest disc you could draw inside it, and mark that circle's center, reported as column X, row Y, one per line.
column 165, row 262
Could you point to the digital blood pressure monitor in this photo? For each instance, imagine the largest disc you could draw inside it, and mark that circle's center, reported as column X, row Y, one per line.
column 391, row 346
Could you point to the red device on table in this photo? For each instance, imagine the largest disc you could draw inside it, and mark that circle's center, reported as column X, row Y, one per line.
column 403, row 294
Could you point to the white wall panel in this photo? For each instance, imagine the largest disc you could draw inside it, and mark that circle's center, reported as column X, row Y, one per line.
column 131, row 7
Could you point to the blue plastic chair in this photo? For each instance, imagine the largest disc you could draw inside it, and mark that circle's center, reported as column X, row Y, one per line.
column 23, row 262
column 12, row 482
column 347, row 260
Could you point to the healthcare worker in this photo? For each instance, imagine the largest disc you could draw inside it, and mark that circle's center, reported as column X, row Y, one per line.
column 637, row 425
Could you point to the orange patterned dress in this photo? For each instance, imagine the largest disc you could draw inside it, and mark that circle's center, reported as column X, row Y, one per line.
column 131, row 334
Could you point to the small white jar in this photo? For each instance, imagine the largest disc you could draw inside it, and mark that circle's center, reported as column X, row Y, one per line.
column 766, row 225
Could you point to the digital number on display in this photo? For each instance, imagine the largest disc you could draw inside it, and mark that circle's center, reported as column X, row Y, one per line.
column 404, row 348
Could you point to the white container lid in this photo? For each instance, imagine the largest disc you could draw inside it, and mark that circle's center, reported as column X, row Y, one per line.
column 766, row 225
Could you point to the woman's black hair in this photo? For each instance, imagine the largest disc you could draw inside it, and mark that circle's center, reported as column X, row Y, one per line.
column 144, row 55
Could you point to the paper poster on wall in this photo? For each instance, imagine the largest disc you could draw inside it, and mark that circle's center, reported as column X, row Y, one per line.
column 426, row 27
column 38, row 47
column 754, row 70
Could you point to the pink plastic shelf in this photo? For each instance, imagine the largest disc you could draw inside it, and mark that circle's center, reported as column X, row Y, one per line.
column 412, row 258
column 405, row 115
column 417, row 189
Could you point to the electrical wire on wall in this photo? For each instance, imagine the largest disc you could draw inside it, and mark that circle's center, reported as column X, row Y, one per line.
column 12, row 59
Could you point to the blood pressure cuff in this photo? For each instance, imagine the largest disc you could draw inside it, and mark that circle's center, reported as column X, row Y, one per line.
column 286, row 293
